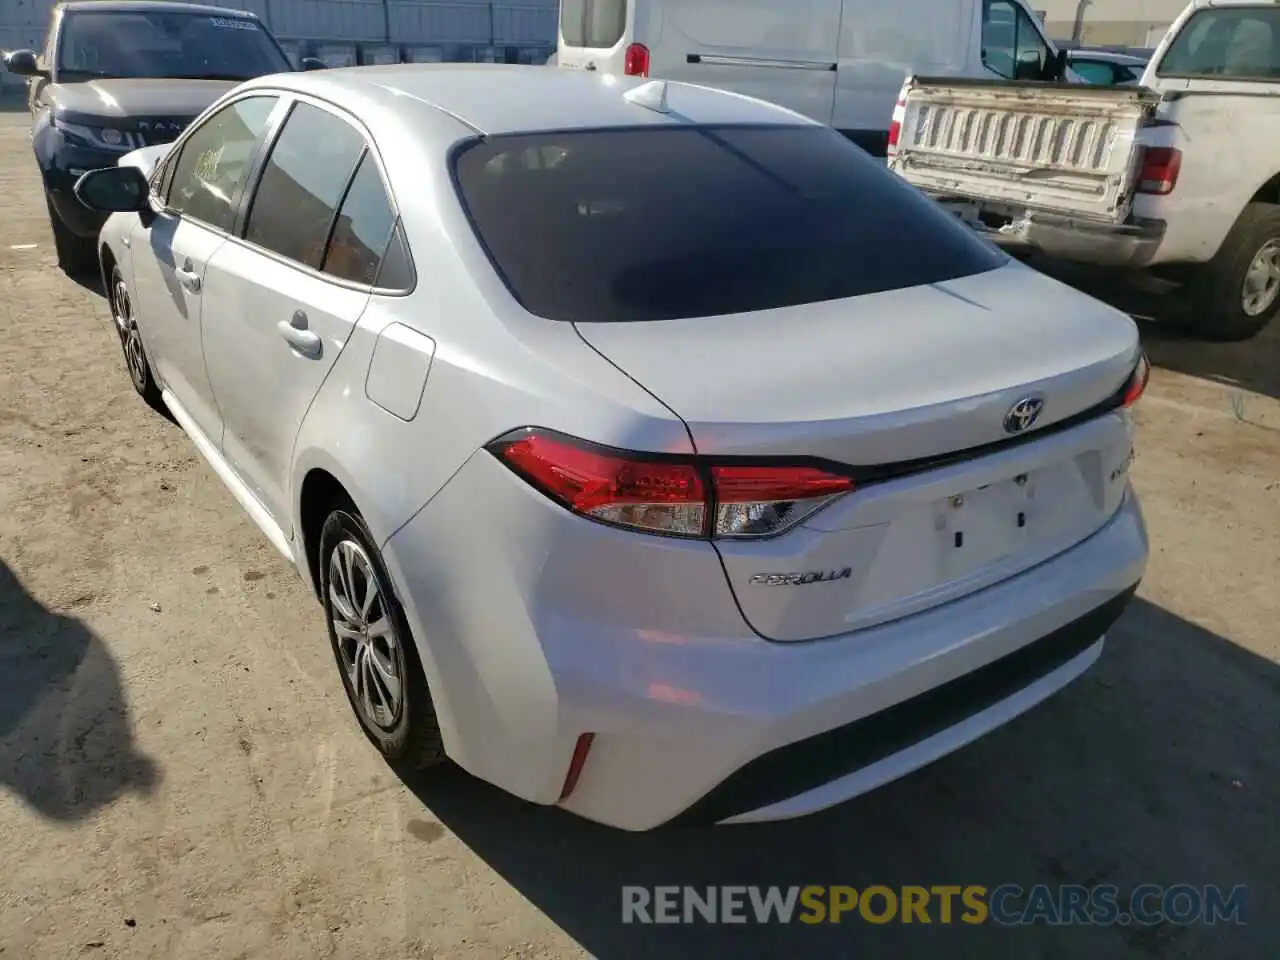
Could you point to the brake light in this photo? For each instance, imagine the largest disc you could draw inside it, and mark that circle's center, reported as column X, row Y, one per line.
column 636, row 62
column 1137, row 384
column 1160, row 169
column 671, row 495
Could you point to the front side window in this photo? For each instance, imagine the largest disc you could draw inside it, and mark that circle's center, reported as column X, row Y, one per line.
column 1235, row 43
column 303, row 183
column 1094, row 71
column 1011, row 45
column 169, row 44
column 658, row 224
column 215, row 160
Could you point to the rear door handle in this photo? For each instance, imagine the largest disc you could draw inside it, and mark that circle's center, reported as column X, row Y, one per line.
column 189, row 278
column 306, row 342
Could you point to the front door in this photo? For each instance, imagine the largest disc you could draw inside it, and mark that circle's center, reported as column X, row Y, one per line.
column 209, row 170
column 290, row 292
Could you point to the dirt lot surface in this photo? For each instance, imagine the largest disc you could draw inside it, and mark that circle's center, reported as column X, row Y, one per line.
column 180, row 775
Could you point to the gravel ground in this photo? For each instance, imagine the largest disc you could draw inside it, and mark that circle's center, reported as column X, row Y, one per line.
column 180, row 776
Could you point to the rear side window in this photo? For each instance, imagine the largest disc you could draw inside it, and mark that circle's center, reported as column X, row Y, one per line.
column 644, row 224
column 1242, row 44
column 592, row 23
column 363, row 228
column 303, row 183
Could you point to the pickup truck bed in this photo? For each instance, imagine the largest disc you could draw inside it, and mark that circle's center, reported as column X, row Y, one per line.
column 1064, row 149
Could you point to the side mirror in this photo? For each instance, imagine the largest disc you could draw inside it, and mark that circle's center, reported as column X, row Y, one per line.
column 23, row 63
column 314, row 63
column 1056, row 68
column 114, row 190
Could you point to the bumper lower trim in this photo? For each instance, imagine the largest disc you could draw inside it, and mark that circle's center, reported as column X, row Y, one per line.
column 811, row 763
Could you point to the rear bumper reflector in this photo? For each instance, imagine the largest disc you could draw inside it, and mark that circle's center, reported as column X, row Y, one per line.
column 580, row 751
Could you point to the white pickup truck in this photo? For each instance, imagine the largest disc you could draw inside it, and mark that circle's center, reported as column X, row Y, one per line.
column 1179, row 175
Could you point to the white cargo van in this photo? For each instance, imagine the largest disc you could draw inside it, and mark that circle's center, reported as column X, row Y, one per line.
column 841, row 62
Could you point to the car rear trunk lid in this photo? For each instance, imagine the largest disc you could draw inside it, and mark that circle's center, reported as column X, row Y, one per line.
column 909, row 391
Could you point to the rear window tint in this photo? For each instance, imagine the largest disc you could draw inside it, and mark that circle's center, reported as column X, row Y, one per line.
column 641, row 224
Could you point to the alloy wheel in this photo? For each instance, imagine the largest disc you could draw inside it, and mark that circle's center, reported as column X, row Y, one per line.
column 368, row 645
column 130, row 338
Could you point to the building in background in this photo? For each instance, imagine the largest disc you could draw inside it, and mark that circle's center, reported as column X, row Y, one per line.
column 1130, row 23
column 348, row 32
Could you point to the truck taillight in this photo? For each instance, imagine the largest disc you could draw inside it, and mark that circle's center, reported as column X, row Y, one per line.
column 895, row 127
column 636, row 61
column 668, row 494
column 1160, row 168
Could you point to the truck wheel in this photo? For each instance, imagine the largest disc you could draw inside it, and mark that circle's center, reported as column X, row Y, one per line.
column 1237, row 293
column 77, row 256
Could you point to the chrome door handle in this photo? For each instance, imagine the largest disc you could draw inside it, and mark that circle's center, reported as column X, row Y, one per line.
column 189, row 278
column 295, row 333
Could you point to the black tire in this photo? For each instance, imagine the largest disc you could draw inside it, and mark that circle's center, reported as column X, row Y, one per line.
column 1217, row 289
column 77, row 256
column 408, row 736
column 136, row 361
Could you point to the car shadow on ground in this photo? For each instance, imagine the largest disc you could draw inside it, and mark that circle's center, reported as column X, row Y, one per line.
column 1252, row 365
column 66, row 745
column 1158, row 766
column 15, row 102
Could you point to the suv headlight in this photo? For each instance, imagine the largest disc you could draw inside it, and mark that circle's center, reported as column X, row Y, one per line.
column 99, row 138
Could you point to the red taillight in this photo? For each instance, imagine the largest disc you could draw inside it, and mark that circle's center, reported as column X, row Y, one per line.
column 676, row 496
column 1160, row 169
column 1137, row 384
column 636, row 63
column 578, row 761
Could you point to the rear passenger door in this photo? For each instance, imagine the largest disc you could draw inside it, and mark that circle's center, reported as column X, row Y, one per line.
column 289, row 288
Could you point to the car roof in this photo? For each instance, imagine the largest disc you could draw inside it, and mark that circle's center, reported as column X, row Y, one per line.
column 153, row 6
column 502, row 98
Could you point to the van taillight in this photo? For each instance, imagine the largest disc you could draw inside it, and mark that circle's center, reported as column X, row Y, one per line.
column 1160, row 168
column 674, row 495
column 895, row 132
column 636, row 63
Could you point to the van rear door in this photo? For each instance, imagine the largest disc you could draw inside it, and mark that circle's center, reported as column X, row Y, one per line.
column 595, row 35
column 780, row 51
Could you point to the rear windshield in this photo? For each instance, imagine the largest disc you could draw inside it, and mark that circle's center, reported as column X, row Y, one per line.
column 1241, row 43
column 170, row 44
column 616, row 225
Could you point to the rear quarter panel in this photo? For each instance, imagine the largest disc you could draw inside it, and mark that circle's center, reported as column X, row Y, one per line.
column 1230, row 143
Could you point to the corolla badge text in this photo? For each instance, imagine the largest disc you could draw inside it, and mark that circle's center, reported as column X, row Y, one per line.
column 801, row 579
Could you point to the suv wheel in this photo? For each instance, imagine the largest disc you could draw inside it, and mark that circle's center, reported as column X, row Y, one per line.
column 373, row 648
column 77, row 256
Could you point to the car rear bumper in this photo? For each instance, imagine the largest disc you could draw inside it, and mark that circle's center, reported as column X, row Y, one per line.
column 532, row 636
column 1130, row 244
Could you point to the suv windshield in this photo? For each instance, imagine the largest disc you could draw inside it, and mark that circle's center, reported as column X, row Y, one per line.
column 645, row 224
column 1241, row 43
column 166, row 44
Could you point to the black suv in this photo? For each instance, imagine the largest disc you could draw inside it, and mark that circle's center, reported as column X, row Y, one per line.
column 117, row 75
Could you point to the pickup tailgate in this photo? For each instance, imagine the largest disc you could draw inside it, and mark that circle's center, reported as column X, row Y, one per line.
column 1068, row 149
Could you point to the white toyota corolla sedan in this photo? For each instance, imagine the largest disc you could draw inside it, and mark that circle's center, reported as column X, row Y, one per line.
column 654, row 451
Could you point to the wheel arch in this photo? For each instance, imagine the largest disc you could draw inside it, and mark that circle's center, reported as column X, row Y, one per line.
column 1269, row 192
